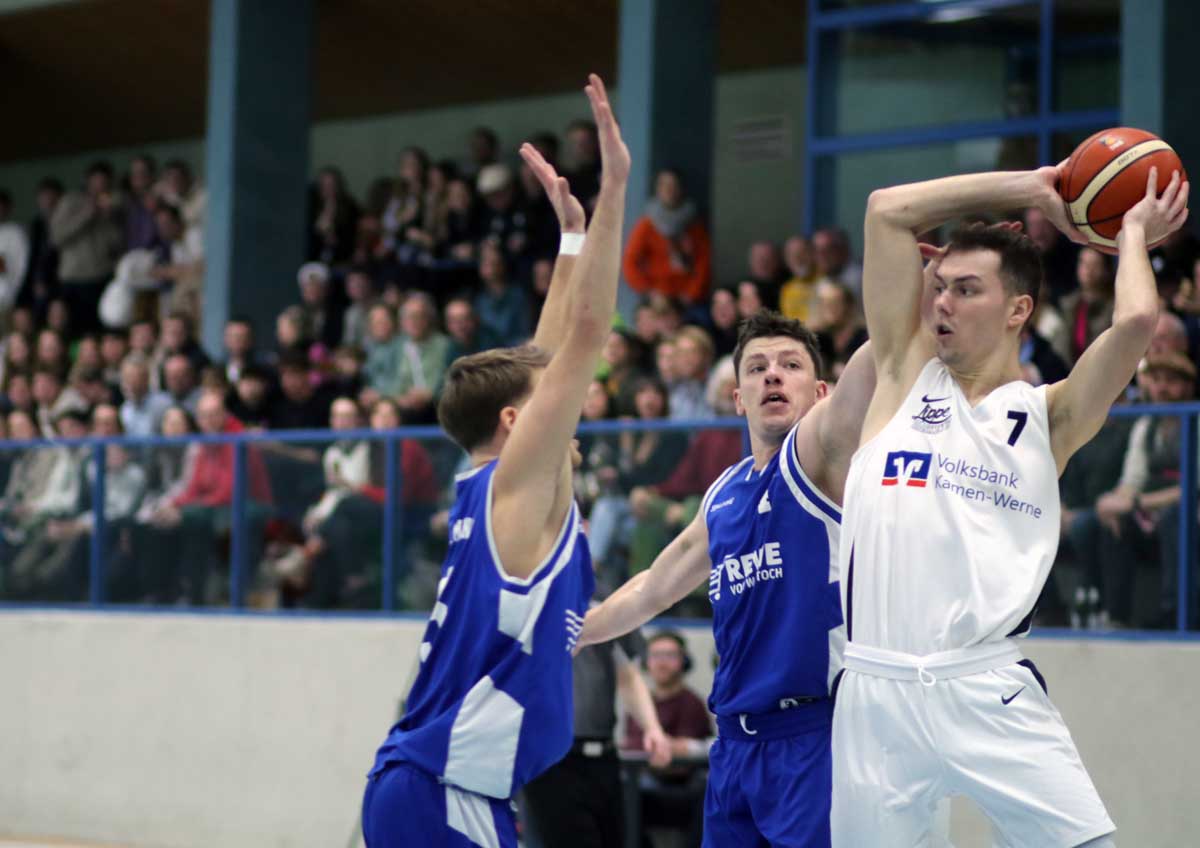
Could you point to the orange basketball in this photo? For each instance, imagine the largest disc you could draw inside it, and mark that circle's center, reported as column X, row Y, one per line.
column 1106, row 176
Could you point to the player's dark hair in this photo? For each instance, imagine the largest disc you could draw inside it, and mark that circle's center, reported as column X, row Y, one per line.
column 766, row 323
column 1020, row 263
column 479, row 386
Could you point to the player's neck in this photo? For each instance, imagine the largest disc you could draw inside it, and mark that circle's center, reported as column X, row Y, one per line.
column 981, row 380
column 482, row 456
column 764, row 451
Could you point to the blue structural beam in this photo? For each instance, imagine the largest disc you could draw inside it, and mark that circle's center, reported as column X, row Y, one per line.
column 666, row 65
column 256, row 170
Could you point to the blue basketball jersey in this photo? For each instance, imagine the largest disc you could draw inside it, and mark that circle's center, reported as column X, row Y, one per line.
column 491, row 706
column 777, row 619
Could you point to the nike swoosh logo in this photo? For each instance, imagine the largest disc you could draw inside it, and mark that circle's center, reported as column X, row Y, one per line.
column 928, row 399
column 1008, row 700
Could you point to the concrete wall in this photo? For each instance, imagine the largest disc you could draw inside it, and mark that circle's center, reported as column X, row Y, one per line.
column 208, row 730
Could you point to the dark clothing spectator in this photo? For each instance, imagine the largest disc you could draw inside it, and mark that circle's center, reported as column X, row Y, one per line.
column 309, row 412
column 88, row 235
column 505, row 313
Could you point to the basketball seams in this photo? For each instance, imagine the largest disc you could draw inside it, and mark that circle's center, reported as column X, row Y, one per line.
column 1072, row 162
column 1105, row 176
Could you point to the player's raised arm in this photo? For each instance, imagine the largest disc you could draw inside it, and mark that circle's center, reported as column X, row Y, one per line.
column 571, row 223
column 1079, row 404
column 836, row 424
column 892, row 276
column 681, row 566
column 531, row 487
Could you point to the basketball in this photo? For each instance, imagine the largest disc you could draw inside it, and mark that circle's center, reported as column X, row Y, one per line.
column 1106, row 175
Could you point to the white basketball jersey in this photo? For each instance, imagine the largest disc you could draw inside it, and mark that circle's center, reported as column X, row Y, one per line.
column 951, row 519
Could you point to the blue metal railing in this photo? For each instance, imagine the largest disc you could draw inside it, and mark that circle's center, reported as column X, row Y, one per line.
column 393, row 528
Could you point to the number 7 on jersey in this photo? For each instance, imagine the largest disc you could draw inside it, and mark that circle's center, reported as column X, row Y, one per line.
column 1020, row 418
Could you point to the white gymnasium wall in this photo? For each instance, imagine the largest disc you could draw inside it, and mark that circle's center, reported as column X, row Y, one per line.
column 211, row 730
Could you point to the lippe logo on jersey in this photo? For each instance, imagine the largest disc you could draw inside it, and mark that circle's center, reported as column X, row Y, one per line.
column 740, row 573
column 907, row 468
column 932, row 418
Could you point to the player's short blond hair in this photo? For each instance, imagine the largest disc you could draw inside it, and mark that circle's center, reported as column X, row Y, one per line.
column 479, row 386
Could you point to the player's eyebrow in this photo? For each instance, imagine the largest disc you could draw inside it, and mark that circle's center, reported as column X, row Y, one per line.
column 962, row 278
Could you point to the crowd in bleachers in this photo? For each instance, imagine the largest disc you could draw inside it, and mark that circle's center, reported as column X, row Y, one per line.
column 100, row 298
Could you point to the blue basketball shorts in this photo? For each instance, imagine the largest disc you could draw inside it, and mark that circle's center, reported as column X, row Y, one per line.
column 770, row 780
column 404, row 807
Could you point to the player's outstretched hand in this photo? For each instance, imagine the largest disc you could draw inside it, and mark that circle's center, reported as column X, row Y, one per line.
column 1052, row 204
column 658, row 746
column 1159, row 216
column 614, row 155
column 571, row 218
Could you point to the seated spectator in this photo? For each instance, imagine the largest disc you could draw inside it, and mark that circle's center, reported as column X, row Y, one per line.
column 767, row 270
column 52, row 399
column 582, row 168
column 1140, row 516
column 301, row 404
column 693, row 357
column 384, row 353
column 332, row 218
column 620, row 363
column 18, row 356
column 86, row 230
column 51, row 352
column 114, row 345
column 750, row 299
column 1088, row 310
column 291, row 335
column 502, row 306
column 58, row 319
column 644, row 458
column 168, row 469
column 1170, row 336
column 348, row 378
column 359, row 291
column 673, row 797
column 181, row 383
column 723, row 321
column 180, row 265
column 142, row 409
column 240, row 353
column 28, row 477
column 140, row 203
column 69, row 538
column 179, row 337
column 90, row 385
column 178, row 188
column 831, row 255
column 461, row 229
column 504, row 221
column 18, row 393
column 1048, row 323
column 192, row 521
column 669, row 250
column 341, row 552
column 838, row 326
column 251, row 397
column 424, row 359
column 797, row 298
column 466, row 334
column 41, row 278
column 32, row 574
column 320, row 323
column 1040, row 363
column 14, row 258
column 483, row 148
column 596, row 451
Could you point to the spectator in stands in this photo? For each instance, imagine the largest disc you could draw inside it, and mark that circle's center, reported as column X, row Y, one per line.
column 332, row 218
column 797, row 298
column 483, row 149
column 140, row 203
column 669, row 249
column 181, row 383
column 41, row 277
column 466, row 334
column 384, row 353
column 723, row 321
column 86, row 230
column 179, row 337
column 348, row 378
column 1058, row 254
column 461, row 228
column 58, row 319
column 14, row 259
column 89, row 384
column 291, row 334
column 583, row 161
column 178, row 188
column 406, row 210
column 300, row 404
column 52, row 398
column 51, row 351
column 620, row 364
column 596, row 451
column 168, row 469
column 750, row 299
column 502, row 306
column 424, row 358
column 28, row 476
column 644, row 458
column 143, row 339
column 1088, row 309
column 504, row 221
column 673, row 797
column 693, row 357
column 321, row 325
column 1141, row 515
column 542, row 227
column 18, row 393
column 196, row 516
column 180, row 264
column 767, row 270
column 114, row 346
column 1170, row 335
column 238, row 340
column 33, row 574
column 359, row 291
column 250, row 398
column 831, row 255
column 18, row 355
column 142, row 409
column 838, row 326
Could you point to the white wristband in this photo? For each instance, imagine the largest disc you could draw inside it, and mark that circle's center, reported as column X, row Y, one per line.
column 571, row 244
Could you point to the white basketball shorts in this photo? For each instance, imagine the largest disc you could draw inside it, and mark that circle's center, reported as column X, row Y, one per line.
column 910, row 731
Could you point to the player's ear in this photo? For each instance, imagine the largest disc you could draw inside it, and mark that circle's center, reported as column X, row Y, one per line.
column 1022, row 310
column 508, row 418
column 738, row 409
column 822, row 389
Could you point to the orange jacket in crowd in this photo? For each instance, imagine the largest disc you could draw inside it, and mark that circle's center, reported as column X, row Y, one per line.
column 211, row 483
column 648, row 267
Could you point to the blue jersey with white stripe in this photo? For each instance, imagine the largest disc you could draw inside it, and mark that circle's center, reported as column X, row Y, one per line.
column 777, row 620
column 491, row 707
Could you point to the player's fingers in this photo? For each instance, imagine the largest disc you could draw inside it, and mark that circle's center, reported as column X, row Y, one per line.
column 1152, row 184
column 1179, row 220
column 598, row 83
column 1180, row 200
column 1168, row 195
column 930, row 251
